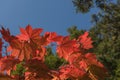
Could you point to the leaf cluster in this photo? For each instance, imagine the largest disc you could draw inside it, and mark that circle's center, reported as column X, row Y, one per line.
column 28, row 60
column 105, row 33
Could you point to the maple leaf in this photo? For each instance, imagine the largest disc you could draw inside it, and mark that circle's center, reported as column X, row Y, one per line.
column 41, row 52
column 8, row 63
column 23, row 52
column 15, row 43
column 70, row 71
column 92, row 59
column 75, row 58
column 50, row 35
column 29, row 34
column 95, row 69
column 66, row 47
column 12, row 40
column 47, row 38
column 38, row 69
column 85, row 41
column 29, row 47
column 83, row 64
column 88, row 60
column 6, row 35
column 56, row 38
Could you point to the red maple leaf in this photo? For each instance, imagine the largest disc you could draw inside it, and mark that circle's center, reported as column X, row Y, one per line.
column 38, row 70
column 40, row 53
column 66, row 47
column 8, row 63
column 19, row 50
column 12, row 40
column 70, row 71
column 29, row 34
column 92, row 59
column 50, row 35
column 27, row 43
column 89, row 62
column 24, row 51
column 75, row 58
column 85, row 41
column 47, row 38
column 29, row 47
column 6, row 35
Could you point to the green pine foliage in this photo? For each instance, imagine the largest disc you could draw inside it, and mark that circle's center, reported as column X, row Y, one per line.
column 74, row 32
column 20, row 70
column 52, row 60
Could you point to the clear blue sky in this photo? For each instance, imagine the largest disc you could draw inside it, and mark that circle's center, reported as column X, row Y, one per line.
column 51, row 15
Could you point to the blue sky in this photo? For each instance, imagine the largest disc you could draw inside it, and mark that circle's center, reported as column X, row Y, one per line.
column 51, row 15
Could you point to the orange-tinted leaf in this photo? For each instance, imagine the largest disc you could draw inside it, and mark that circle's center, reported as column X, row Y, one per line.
column 21, row 53
column 91, row 59
column 85, row 41
column 24, row 35
column 47, row 38
column 56, row 38
column 38, row 70
column 29, row 46
column 29, row 30
column 36, row 33
column 25, row 52
column 15, row 43
column 28, row 33
column 41, row 52
column 5, row 34
column 14, row 52
column 12, row 40
column 7, row 63
column 83, row 64
column 70, row 71
column 66, row 47
column 75, row 58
